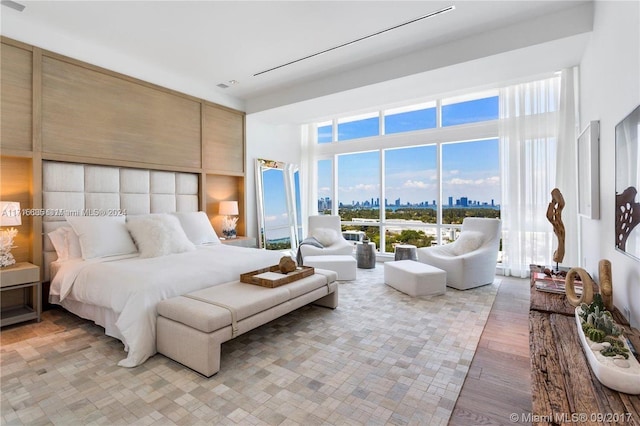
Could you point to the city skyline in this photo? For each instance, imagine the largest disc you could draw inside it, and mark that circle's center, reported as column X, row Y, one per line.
column 326, row 203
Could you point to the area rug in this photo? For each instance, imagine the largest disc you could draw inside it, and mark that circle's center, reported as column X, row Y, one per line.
column 382, row 357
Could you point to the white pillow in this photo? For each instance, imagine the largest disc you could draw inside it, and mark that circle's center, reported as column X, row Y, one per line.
column 59, row 240
column 197, row 227
column 467, row 242
column 73, row 243
column 179, row 242
column 325, row 236
column 102, row 236
column 150, row 237
column 158, row 235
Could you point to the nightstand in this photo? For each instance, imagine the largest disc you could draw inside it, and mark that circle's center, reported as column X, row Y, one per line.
column 240, row 242
column 21, row 297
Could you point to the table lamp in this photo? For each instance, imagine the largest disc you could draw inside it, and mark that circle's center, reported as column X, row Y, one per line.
column 228, row 209
column 10, row 217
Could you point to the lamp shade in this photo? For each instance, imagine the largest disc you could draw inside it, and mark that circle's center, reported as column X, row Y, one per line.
column 228, row 208
column 10, row 213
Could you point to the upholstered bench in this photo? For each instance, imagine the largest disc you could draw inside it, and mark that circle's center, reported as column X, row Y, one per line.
column 415, row 278
column 342, row 264
column 191, row 328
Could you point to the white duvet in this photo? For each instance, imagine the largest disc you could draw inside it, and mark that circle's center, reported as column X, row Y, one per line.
column 132, row 287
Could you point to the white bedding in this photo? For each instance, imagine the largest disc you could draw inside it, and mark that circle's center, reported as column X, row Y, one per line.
column 131, row 287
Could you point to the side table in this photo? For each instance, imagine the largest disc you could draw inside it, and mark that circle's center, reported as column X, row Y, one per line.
column 366, row 255
column 406, row 252
column 240, row 242
column 16, row 280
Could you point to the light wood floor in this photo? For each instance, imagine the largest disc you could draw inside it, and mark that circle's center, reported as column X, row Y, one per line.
column 499, row 379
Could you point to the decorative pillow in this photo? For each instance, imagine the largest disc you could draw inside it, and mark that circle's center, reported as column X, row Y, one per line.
column 467, row 241
column 178, row 240
column 197, row 227
column 325, row 236
column 102, row 236
column 59, row 240
column 158, row 235
column 150, row 237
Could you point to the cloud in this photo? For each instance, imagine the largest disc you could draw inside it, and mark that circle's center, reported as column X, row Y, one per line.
column 415, row 184
column 492, row 180
column 360, row 187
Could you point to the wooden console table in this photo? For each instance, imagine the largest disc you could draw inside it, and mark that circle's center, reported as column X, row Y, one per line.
column 564, row 389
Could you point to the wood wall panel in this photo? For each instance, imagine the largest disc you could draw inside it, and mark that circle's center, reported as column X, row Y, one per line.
column 16, row 94
column 16, row 184
column 58, row 108
column 93, row 114
column 222, row 139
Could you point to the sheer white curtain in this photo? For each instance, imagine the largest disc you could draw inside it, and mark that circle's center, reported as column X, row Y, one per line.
column 529, row 127
column 566, row 167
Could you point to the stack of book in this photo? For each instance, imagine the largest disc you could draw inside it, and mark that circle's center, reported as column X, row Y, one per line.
column 554, row 283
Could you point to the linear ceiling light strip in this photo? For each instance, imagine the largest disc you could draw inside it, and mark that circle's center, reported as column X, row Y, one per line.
column 13, row 5
column 429, row 15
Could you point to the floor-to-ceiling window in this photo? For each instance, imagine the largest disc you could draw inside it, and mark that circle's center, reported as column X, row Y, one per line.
column 411, row 174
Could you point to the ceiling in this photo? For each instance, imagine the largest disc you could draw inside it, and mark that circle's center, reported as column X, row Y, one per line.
column 192, row 46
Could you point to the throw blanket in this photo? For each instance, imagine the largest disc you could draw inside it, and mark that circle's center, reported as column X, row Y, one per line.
column 307, row 241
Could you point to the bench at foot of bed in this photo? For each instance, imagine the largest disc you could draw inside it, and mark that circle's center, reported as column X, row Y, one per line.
column 191, row 328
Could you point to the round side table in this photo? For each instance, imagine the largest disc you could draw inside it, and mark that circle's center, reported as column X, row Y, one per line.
column 366, row 255
column 406, row 252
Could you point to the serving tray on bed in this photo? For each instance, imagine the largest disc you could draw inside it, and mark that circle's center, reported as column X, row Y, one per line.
column 272, row 277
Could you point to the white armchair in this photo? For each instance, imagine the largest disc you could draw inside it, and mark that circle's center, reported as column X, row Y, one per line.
column 470, row 261
column 326, row 230
column 328, row 249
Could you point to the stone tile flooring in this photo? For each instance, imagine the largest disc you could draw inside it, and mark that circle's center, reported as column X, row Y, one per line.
column 382, row 357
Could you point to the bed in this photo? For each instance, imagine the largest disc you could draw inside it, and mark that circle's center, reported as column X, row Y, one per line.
column 118, row 240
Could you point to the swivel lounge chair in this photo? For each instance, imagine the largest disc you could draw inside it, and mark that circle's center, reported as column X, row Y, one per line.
column 470, row 261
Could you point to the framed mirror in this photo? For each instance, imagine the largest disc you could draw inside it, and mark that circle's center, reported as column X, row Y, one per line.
column 627, row 184
column 278, row 204
column 588, row 171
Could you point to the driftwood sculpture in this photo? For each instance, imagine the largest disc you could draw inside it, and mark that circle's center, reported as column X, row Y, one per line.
column 554, row 215
column 606, row 285
column 587, row 287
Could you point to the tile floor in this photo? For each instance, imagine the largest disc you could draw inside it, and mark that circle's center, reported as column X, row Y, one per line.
column 382, row 357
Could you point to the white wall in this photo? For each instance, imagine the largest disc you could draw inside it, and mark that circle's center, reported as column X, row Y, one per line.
column 271, row 142
column 610, row 89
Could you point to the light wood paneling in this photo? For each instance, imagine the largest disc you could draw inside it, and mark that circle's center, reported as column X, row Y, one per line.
column 222, row 139
column 16, row 82
column 58, row 108
column 89, row 113
column 16, row 185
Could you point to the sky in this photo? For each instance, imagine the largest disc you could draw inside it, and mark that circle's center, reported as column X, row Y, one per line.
column 469, row 169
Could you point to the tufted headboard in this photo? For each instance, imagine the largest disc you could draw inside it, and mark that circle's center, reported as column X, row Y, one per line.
column 83, row 188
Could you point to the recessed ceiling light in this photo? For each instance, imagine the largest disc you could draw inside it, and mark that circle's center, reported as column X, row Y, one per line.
column 13, row 5
column 411, row 21
column 233, row 82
